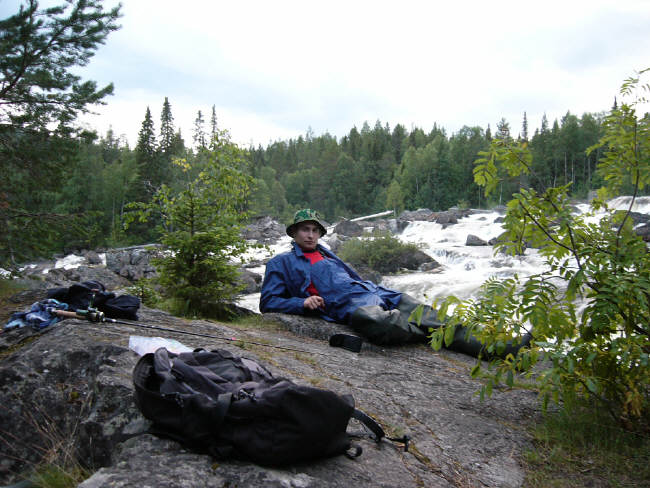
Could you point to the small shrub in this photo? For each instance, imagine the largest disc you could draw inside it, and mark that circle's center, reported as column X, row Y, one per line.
column 9, row 287
column 145, row 291
column 380, row 251
column 200, row 223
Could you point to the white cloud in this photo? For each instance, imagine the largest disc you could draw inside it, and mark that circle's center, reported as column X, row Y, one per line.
column 273, row 69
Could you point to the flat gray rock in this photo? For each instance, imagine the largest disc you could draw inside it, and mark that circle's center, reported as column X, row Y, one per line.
column 70, row 390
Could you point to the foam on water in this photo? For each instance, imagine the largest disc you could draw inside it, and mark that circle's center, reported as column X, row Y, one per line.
column 463, row 268
column 71, row 261
column 250, row 302
column 641, row 204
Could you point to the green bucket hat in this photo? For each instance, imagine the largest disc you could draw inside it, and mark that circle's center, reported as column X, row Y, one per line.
column 304, row 215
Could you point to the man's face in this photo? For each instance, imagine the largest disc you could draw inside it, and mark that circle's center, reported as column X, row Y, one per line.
column 306, row 235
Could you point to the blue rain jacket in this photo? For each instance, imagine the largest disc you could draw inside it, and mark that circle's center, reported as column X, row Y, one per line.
column 289, row 274
column 39, row 316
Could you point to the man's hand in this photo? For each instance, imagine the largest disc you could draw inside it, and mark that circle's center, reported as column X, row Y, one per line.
column 314, row 302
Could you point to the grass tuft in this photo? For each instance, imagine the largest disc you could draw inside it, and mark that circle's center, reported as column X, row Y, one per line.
column 56, row 476
column 583, row 446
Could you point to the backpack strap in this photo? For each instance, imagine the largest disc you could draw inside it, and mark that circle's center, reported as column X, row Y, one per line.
column 354, row 451
column 377, row 430
column 223, row 404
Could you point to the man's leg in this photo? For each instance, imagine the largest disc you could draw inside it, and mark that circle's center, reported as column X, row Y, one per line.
column 469, row 345
column 385, row 327
column 461, row 343
column 429, row 318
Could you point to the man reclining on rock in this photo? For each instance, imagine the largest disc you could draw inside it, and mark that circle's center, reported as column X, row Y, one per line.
column 311, row 280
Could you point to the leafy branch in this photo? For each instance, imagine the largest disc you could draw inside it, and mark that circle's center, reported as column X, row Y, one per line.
column 598, row 346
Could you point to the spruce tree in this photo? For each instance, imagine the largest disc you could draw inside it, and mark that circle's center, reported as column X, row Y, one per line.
column 145, row 154
column 178, row 144
column 524, row 129
column 213, row 124
column 544, row 123
column 397, row 140
column 199, row 137
column 201, row 222
column 503, row 130
column 166, row 129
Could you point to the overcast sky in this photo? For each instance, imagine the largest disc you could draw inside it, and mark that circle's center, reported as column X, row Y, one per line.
column 273, row 69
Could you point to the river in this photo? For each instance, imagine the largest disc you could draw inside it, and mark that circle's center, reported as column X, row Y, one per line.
column 464, row 268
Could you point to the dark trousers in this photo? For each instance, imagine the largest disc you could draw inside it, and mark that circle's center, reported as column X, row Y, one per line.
column 386, row 327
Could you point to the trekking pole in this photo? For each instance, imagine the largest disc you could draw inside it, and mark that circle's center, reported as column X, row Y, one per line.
column 94, row 315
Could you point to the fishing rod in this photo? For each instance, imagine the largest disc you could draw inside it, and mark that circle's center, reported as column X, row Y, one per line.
column 97, row 316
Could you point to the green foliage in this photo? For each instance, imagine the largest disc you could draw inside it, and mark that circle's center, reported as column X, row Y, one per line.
column 373, row 169
column 394, row 196
column 102, row 179
column 381, row 251
column 513, row 159
column 589, row 311
column 200, row 226
column 8, row 287
column 146, row 157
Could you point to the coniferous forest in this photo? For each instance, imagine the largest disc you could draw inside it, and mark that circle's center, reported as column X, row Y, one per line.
column 64, row 188
column 75, row 193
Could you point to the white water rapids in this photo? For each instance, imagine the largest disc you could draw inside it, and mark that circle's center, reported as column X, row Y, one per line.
column 464, row 268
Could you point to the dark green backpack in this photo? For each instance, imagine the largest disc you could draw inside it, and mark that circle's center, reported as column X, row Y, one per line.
column 229, row 406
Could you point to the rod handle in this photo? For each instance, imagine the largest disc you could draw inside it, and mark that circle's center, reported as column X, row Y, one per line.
column 67, row 313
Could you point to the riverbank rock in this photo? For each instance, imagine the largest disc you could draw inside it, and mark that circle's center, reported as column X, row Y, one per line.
column 444, row 218
column 61, row 277
column 368, row 274
column 334, row 241
column 404, row 260
column 133, row 263
column 412, row 260
column 643, row 231
column 641, row 224
column 419, row 214
column 265, row 230
column 473, row 240
column 397, row 226
column 348, row 228
column 252, row 281
column 448, row 217
column 639, row 218
column 93, row 258
column 68, row 391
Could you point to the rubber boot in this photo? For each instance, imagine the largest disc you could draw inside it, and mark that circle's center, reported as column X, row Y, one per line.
column 470, row 345
column 383, row 327
column 429, row 317
column 473, row 347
